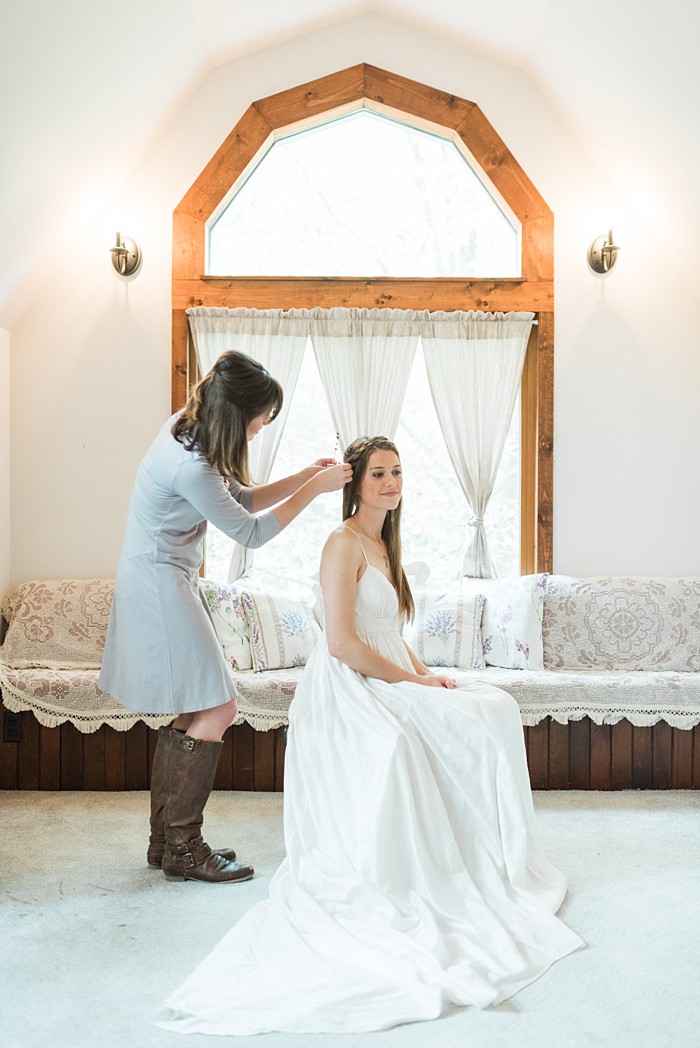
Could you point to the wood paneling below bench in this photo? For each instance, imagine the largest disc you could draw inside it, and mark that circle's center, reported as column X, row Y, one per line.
column 64, row 758
column 579, row 755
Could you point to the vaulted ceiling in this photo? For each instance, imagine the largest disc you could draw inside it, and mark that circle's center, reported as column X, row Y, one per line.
column 86, row 87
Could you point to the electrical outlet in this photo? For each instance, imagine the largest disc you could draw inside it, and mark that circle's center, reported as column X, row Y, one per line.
column 12, row 727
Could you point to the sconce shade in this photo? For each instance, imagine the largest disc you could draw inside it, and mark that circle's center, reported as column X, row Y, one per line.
column 602, row 254
column 126, row 255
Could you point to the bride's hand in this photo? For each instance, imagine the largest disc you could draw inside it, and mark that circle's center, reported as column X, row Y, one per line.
column 433, row 681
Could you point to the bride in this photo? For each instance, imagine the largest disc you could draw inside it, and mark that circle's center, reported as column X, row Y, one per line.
column 414, row 876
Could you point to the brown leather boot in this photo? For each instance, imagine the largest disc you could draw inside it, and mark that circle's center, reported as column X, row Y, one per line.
column 190, row 776
column 159, row 772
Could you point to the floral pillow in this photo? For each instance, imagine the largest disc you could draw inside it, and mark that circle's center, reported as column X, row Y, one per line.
column 512, row 621
column 226, row 607
column 446, row 629
column 283, row 631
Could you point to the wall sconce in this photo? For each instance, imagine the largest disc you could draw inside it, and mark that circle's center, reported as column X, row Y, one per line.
column 126, row 255
column 602, row 254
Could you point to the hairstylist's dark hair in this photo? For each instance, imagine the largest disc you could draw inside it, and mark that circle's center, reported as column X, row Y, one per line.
column 358, row 455
column 220, row 407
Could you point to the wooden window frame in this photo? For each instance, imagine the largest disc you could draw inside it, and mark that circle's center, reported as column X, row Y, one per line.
column 367, row 87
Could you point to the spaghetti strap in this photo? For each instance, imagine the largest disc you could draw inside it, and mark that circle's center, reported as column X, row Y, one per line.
column 352, row 532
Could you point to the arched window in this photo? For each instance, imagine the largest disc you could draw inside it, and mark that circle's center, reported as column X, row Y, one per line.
column 363, row 195
column 520, row 224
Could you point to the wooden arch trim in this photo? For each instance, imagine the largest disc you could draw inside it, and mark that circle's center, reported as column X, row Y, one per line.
column 365, row 86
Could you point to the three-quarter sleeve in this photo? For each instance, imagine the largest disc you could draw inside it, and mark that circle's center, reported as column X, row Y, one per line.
column 240, row 493
column 205, row 489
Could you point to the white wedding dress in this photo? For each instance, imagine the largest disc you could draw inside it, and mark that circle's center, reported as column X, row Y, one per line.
column 414, row 875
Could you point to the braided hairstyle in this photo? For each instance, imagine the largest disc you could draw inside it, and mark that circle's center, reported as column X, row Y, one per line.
column 220, row 408
column 357, row 454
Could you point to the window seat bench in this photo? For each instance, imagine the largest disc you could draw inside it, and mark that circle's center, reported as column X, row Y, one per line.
column 585, row 728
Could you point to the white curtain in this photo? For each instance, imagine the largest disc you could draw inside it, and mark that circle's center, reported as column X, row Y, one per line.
column 276, row 339
column 474, row 363
column 364, row 357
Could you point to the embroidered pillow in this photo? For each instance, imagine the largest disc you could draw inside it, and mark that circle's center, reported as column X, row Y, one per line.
column 226, row 607
column 622, row 623
column 446, row 629
column 57, row 623
column 283, row 631
column 512, row 621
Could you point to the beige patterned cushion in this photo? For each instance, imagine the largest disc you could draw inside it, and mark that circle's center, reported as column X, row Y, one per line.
column 622, row 623
column 57, row 623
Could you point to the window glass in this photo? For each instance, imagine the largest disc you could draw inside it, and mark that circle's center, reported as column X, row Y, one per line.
column 435, row 511
column 363, row 195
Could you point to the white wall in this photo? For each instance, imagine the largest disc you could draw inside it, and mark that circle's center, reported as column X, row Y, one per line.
column 4, row 459
column 91, row 358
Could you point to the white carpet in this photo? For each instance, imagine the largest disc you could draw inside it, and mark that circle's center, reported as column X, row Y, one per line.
column 92, row 940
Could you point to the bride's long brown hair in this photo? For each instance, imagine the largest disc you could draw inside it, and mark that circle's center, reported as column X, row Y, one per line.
column 357, row 454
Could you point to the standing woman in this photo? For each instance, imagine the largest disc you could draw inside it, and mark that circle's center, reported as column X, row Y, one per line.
column 162, row 653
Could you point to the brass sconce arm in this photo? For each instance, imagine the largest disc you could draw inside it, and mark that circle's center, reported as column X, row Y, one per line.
column 602, row 254
column 126, row 256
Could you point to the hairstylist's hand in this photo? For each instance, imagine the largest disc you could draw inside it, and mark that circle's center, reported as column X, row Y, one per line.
column 323, row 463
column 332, row 478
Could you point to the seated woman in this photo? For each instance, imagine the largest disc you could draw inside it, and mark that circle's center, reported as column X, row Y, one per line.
column 414, row 875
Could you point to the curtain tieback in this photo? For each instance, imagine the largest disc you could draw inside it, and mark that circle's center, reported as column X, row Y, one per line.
column 475, row 522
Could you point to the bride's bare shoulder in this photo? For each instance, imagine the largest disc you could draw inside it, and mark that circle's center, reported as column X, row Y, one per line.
column 342, row 545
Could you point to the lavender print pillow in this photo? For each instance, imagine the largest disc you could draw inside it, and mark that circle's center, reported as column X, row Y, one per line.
column 512, row 620
column 283, row 631
column 446, row 630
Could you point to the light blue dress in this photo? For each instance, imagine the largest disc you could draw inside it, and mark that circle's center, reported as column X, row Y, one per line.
column 162, row 654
